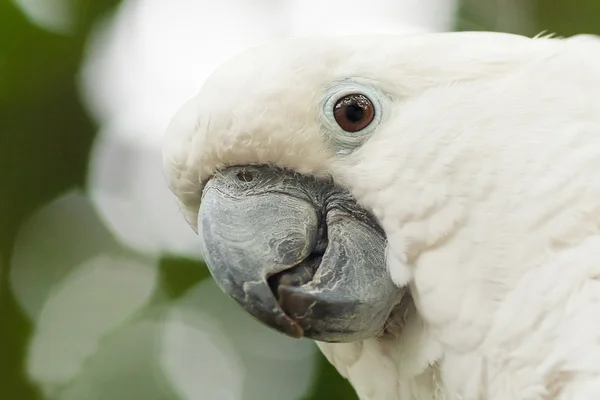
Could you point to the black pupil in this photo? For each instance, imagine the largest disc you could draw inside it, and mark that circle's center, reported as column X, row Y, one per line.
column 354, row 112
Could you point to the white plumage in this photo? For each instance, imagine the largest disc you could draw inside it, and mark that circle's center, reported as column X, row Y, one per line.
column 484, row 172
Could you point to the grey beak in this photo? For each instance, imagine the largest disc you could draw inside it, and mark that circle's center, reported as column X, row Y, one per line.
column 296, row 253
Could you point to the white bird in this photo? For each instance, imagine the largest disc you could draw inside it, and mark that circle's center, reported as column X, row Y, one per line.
column 427, row 208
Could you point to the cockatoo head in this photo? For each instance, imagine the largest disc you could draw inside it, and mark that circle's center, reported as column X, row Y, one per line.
column 274, row 162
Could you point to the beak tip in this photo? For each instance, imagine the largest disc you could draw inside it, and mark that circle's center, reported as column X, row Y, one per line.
column 297, row 331
column 290, row 327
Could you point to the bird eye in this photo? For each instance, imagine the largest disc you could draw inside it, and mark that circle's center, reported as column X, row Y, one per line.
column 353, row 112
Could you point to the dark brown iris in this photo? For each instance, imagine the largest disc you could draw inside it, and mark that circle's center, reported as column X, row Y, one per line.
column 354, row 112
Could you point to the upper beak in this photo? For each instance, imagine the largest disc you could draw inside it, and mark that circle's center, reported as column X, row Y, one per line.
column 296, row 253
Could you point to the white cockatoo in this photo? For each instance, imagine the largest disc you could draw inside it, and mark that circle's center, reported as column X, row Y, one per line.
column 427, row 208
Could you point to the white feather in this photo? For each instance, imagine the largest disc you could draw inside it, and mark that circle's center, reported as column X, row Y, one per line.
column 485, row 175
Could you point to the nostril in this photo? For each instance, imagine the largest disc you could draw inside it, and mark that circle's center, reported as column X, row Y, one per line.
column 245, row 176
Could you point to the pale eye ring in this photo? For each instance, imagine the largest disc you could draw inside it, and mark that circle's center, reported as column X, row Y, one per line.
column 353, row 112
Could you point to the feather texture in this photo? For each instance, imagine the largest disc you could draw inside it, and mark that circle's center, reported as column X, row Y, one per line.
column 484, row 174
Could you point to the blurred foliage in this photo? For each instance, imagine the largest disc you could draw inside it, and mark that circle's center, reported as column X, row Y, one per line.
column 330, row 385
column 180, row 274
column 45, row 137
column 530, row 17
column 569, row 17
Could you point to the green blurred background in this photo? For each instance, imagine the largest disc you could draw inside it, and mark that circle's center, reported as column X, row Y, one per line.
column 46, row 136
